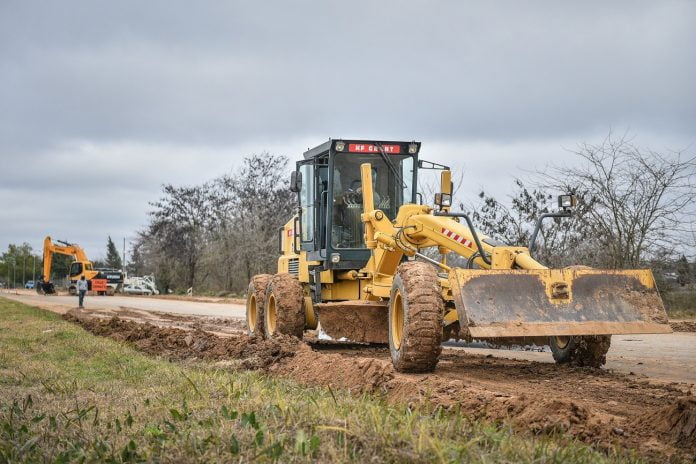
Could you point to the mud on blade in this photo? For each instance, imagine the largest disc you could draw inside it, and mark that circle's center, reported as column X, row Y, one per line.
column 522, row 303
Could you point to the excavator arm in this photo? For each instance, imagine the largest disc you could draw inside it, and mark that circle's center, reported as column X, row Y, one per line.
column 45, row 285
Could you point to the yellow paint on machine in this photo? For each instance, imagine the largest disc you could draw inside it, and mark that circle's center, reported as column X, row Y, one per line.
column 541, row 302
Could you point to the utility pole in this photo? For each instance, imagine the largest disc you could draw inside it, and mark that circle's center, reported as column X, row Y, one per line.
column 33, row 270
column 24, row 269
column 123, row 263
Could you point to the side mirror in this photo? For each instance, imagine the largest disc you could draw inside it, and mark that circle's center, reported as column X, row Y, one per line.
column 295, row 181
column 444, row 199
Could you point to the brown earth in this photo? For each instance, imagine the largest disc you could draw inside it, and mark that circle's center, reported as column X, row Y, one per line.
column 365, row 321
column 216, row 325
column 201, row 298
column 594, row 405
column 683, row 326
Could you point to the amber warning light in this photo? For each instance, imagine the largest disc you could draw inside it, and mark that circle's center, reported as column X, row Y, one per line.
column 367, row 148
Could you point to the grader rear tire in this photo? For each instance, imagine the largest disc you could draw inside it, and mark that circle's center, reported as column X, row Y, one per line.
column 586, row 351
column 416, row 311
column 284, row 308
column 255, row 304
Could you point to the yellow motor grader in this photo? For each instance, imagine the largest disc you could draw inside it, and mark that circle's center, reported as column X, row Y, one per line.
column 353, row 265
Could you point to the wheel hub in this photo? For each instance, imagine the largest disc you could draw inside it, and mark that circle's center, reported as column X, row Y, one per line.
column 562, row 342
column 397, row 320
column 251, row 311
column 271, row 316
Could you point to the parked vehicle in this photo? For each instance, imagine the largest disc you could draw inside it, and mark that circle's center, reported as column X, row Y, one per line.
column 147, row 282
column 136, row 290
column 29, row 284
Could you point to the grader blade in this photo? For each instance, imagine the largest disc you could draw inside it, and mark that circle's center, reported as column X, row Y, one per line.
column 528, row 303
column 355, row 321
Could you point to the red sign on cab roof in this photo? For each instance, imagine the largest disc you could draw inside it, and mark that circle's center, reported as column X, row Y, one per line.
column 369, row 148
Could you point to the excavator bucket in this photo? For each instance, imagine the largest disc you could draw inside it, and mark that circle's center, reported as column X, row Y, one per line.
column 546, row 302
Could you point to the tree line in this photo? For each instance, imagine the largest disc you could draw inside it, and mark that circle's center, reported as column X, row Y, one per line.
column 215, row 236
column 635, row 209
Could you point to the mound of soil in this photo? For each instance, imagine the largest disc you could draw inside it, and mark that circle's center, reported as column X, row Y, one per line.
column 683, row 326
column 179, row 344
column 539, row 416
column 678, row 420
column 354, row 374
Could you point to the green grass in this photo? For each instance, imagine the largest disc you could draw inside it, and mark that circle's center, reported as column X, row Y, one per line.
column 67, row 396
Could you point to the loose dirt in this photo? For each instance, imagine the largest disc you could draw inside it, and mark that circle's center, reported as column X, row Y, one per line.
column 683, row 326
column 179, row 344
column 216, row 325
column 594, row 405
column 366, row 321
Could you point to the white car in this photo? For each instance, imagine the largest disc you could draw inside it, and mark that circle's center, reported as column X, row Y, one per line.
column 136, row 290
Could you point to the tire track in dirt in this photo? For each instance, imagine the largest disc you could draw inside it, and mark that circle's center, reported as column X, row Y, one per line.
column 596, row 406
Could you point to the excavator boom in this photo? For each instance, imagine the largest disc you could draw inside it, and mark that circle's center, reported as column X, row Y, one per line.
column 44, row 284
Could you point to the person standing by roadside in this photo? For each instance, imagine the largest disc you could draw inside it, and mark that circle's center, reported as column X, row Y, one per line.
column 82, row 289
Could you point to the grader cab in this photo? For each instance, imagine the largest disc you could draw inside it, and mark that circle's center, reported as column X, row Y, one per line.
column 353, row 265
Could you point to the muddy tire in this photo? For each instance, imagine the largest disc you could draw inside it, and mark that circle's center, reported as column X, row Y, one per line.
column 587, row 351
column 416, row 310
column 255, row 304
column 284, row 307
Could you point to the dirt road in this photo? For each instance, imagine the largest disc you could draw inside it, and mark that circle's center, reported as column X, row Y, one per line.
column 669, row 358
column 63, row 303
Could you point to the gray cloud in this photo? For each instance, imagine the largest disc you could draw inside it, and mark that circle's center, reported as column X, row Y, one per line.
column 119, row 97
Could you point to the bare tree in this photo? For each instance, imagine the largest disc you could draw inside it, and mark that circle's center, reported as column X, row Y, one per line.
column 561, row 242
column 177, row 232
column 253, row 203
column 639, row 199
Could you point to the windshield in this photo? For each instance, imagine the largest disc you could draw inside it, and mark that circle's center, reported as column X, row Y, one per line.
column 390, row 192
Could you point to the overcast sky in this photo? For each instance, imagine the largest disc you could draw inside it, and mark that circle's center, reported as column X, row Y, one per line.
column 101, row 102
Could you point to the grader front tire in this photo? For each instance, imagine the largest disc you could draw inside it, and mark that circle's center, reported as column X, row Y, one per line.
column 284, row 307
column 416, row 310
column 255, row 304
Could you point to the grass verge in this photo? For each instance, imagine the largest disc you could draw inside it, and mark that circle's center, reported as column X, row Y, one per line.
column 680, row 304
column 66, row 396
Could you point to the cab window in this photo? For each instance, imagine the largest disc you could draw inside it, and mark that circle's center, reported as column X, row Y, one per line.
column 75, row 269
column 307, row 202
column 392, row 188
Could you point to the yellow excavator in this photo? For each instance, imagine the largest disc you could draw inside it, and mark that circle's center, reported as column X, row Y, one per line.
column 355, row 264
column 81, row 266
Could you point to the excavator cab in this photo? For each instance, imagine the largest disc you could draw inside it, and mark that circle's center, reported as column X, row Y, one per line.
column 328, row 183
column 77, row 268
